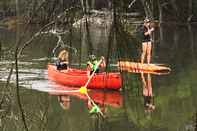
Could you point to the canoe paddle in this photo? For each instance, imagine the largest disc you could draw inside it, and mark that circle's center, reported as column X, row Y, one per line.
column 83, row 90
column 97, row 65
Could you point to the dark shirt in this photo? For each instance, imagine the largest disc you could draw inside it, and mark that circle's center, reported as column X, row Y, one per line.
column 146, row 38
column 61, row 65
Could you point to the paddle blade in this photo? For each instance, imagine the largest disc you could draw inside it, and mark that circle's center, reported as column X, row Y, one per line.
column 95, row 109
column 83, row 90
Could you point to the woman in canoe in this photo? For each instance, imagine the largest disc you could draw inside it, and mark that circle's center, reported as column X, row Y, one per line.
column 92, row 64
column 146, row 42
column 62, row 62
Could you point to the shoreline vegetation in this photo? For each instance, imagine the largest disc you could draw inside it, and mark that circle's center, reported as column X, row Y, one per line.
column 97, row 12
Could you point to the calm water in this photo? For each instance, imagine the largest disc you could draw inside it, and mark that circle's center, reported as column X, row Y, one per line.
column 174, row 94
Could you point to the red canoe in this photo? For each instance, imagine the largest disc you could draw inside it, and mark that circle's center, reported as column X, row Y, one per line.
column 78, row 78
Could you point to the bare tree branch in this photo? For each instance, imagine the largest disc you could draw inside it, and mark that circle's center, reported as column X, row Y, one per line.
column 131, row 4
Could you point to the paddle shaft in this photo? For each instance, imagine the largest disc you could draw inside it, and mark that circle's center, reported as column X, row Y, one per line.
column 93, row 73
column 94, row 104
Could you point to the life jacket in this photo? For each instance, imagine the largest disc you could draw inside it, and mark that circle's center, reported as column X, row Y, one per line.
column 93, row 64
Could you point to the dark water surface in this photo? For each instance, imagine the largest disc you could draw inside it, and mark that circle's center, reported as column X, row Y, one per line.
column 174, row 94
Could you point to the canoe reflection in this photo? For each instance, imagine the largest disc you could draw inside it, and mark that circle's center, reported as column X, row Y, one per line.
column 100, row 97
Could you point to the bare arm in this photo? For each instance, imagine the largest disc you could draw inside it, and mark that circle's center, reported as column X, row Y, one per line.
column 103, row 64
column 149, row 31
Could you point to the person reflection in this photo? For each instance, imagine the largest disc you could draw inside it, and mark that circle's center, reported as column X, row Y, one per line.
column 147, row 92
column 64, row 101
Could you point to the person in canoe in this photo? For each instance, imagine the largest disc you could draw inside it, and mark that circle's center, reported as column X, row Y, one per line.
column 92, row 64
column 146, row 42
column 62, row 62
column 147, row 92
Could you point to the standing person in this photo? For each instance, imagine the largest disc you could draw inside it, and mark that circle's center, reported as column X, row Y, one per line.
column 62, row 62
column 146, row 42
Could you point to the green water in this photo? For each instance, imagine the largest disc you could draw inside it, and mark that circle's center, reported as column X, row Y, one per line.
column 174, row 94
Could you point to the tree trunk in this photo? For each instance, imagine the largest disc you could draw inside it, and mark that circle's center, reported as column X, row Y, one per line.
column 190, row 10
column 148, row 9
column 175, row 8
column 5, row 7
column 160, row 20
column 85, row 6
column 93, row 4
column 191, row 38
column 0, row 46
column 82, row 4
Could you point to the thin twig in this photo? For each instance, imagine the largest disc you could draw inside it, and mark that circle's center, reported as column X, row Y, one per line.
column 17, row 89
column 34, row 36
column 131, row 3
column 7, row 82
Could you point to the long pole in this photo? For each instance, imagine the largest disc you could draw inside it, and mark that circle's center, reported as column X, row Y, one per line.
column 93, row 73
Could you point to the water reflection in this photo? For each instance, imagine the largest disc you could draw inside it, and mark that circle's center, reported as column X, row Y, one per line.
column 98, row 123
column 64, row 101
column 0, row 50
column 176, row 99
column 147, row 92
column 104, row 99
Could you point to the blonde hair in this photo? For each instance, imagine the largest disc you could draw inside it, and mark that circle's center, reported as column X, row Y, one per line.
column 63, row 55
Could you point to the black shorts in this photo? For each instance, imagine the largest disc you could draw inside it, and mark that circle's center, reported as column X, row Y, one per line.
column 147, row 100
column 146, row 40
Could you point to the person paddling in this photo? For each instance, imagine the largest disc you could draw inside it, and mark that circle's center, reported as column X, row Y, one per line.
column 146, row 42
column 62, row 62
column 92, row 64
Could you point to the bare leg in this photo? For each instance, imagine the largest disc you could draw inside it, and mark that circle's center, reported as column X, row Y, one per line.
column 149, row 48
column 149, row 85
column 144, row 48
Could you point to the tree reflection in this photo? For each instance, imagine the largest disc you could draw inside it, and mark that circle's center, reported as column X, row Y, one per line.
column 196, row 122
column 104, row 100
column 99, row 123
column 0, row 50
